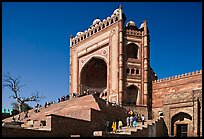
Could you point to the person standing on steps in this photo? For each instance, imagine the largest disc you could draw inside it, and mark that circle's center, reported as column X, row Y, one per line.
column 143, row 119
column 134, row 121
column 131, row 121
column 120, row 124
column 114, row 126
column 128, row 121
column 108, row 127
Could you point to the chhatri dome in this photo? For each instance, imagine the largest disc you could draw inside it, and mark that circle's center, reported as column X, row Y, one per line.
column 131, row 25
column 96, row 21
column 79, row 33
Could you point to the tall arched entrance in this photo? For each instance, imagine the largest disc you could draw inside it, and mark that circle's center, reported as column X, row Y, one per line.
column 130, row 97
column 93, row 76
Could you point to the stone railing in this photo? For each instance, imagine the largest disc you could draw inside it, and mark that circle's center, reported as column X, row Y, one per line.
column 190, row 74
column 133, row 32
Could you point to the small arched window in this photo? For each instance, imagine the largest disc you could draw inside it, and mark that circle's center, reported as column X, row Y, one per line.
column 132, row 71
column 137, row 71
column 132, row 51
column 128, row 70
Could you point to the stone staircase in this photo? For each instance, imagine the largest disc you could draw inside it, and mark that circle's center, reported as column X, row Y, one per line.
column 138, row 131
column 77, row 108
column 65, row 108
column 81, row 112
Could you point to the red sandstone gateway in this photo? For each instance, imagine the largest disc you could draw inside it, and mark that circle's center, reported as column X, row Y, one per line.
column 110, row 73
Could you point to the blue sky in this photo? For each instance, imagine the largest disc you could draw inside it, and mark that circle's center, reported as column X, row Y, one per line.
column 35, row 40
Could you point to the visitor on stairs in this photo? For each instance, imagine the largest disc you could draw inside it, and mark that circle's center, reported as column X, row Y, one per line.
column 108, row 126
column 134, row 121
column 120, row 124
column 131, row 121
column 114, row 126
column 128, row 121
column 143, row 119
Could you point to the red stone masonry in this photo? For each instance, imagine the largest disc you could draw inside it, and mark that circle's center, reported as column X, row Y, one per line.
column 176, row 84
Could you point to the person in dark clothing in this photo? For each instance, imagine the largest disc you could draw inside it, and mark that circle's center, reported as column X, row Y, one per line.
column 46, row 104
column 26, row 114
column 13, row 119
column 108, row 126
column 19, row 117
column 143, row 119
column 116, row 124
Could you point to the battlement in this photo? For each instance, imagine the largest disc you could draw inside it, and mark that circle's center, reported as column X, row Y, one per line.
column 186, row 75
column 97, row 26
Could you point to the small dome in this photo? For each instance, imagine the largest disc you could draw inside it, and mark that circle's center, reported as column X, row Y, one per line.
column 130, row 23
column 116, row 11
column 96, row 21
column 79, row 33
column 108, row 18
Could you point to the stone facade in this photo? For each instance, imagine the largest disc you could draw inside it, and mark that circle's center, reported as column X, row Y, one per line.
column 179, row 100
column 112, row 59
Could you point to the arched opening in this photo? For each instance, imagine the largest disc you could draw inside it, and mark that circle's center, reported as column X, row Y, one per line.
column 132, row 51
column 128, row 71
column 137, row 71
column 180, row 124
column 130, row 97
column 94, row 77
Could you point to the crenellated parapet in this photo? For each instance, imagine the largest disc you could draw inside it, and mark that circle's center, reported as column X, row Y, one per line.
column 97, row 26
column 186, row 75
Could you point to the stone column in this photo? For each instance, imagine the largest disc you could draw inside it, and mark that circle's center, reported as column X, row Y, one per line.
column 70, row 67
column 120, row 97
column 74, row 74
column 146, row 64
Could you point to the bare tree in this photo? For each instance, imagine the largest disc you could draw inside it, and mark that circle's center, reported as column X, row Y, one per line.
column 14, row 85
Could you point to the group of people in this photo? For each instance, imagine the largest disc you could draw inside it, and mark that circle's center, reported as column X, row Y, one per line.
column 63, row 98
column 133, row 118
column 48, row 103
column 115, row 126
column 85, row 92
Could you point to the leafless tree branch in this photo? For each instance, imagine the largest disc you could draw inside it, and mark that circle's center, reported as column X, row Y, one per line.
column 14, row 85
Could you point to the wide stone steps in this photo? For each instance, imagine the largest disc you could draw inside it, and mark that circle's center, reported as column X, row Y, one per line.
column 61, row 108
column 138, row 131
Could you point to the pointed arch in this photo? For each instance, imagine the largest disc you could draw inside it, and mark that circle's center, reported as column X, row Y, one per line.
column 178, row 121
column 130, row 97
column 132, row 51
column 93, row 75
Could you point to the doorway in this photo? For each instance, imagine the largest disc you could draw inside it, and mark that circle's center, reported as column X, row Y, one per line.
column 181, row 130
